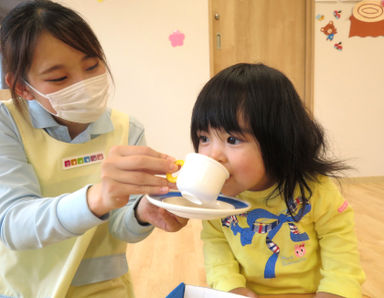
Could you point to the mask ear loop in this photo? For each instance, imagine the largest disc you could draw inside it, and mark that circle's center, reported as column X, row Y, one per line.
column 34, row 89
column 41, row 94
column 112, row 89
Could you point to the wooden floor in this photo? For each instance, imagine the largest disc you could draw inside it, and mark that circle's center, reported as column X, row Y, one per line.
column 163, row 260
column 367, row 199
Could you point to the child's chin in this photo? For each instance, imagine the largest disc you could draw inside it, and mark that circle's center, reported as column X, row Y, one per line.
column 230, row 192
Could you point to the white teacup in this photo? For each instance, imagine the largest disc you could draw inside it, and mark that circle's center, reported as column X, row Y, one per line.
column 200, row 178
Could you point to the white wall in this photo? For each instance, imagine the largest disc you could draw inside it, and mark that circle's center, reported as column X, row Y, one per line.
column 349, row 91
column 155, row 82
column 158, row 83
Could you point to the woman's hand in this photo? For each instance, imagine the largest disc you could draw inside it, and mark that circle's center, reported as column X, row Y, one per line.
column 159, row 217
column 244, row 292
column 129, row 170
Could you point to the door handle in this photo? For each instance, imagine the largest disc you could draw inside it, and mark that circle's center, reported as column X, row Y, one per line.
column 218, row 41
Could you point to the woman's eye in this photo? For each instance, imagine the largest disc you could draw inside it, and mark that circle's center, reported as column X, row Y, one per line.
column 203, row 139
column 233, row 140
column 93, row 67
column 57, row 79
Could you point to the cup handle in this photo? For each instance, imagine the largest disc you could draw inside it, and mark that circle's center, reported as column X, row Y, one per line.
column 172, row 178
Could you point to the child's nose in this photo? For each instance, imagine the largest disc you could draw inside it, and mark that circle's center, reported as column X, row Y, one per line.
column 218, row 155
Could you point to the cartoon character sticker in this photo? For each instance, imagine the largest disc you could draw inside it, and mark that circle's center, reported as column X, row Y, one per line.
column 337, row 14
column 338, row 46
column 367, row 19
column 300, row 250
column 329, row 30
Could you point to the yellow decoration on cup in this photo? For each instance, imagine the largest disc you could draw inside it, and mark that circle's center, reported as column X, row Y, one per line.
column 172, row 178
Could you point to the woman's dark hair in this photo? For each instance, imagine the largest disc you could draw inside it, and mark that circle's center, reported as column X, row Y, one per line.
column 291, row 142
column 24, row 24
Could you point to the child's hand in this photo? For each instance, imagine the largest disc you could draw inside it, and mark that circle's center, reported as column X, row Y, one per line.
column 161, row 218
column 129, row 170
column 245, row 292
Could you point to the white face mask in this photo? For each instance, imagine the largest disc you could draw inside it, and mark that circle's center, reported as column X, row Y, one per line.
column 82, row 102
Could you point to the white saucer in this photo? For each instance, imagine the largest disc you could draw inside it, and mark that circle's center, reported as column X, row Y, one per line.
column 176, row 204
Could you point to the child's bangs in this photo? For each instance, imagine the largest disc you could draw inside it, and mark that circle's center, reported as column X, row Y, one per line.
column 219, row 112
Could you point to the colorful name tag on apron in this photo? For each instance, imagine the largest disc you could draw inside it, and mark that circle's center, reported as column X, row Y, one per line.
column 84, row 160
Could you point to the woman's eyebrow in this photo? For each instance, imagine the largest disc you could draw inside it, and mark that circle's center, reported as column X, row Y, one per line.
column 52, row 68
column 61, row 66
column 86, row 57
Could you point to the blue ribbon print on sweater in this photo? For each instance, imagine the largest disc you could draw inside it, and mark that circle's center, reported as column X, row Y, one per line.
column 247, row 234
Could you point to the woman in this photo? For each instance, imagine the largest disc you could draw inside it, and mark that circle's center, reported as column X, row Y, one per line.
column 69, row 166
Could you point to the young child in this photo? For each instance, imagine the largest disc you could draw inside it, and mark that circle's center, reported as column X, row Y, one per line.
column 69, row 166
column 298, row 236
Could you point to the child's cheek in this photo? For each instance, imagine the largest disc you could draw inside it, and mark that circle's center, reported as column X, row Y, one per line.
column 232, row 188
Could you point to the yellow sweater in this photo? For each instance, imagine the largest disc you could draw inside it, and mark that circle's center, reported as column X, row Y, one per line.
column 267, row 251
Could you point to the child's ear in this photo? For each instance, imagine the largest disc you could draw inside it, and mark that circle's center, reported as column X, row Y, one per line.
column 21, row 89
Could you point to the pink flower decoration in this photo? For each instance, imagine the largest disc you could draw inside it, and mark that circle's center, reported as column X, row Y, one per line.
column 176, row 38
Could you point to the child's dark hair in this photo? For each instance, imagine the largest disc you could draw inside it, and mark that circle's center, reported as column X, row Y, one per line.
column 23, row 25
column 291, row 142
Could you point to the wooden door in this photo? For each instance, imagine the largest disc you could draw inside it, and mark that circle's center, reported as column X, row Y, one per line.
column 278, row 33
